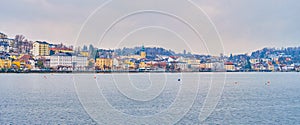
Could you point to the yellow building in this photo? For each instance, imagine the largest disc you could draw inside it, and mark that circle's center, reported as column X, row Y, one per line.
column 271, row 66
column 202, row 66
column 104, row 63
column 21, row 64
column 131, row 56
column 143, row 65
column 143, row 54
column 40, row 49
column 193, row 61
column 61, row 50
column 130, row 65
column 5, row 63
column 86, row 54
column 229, row 66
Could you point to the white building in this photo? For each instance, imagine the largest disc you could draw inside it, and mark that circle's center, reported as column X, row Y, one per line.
column 61, row 60
column 68, row 61
column 4, row 46
column 79, row 62
column 215, row 66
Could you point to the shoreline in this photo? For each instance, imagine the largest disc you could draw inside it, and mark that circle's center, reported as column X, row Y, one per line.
column 112, row 72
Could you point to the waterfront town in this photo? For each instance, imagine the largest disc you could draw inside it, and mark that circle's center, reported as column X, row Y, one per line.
column 17, row 54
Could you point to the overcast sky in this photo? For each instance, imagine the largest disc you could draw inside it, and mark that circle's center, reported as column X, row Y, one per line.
column 243, row 25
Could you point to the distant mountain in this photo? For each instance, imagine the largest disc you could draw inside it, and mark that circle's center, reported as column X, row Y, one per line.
column 151, row 51
column 293, row 52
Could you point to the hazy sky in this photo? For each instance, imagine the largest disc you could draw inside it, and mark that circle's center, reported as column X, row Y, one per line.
column 244, row 25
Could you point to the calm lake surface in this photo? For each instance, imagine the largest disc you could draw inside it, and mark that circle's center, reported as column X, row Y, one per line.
column 247, row 98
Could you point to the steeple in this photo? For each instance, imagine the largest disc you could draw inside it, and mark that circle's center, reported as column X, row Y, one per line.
column 143, row 48
column 143, row 53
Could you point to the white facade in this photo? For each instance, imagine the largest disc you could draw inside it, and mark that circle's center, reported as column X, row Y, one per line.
column 4, row 48
column 80, row 62
column 69, row 61
column 35, row 49
column 215, row 66
column 4, row 45
column 60, row 60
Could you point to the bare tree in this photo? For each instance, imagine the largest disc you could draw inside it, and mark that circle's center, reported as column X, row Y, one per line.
column 18, row 43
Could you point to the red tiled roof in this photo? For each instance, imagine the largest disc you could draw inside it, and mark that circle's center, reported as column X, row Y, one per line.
column 25, row 57
column 228, row 63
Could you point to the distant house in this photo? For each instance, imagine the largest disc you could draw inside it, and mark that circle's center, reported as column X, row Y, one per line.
column 68, row 61
column 5, row 43
column 104, row 63
column 5, row 63
column 4, row 46
column 40, row 48
column 2, row 35
column 60, row 50
column 229, row 66
column 26, row 61
column 61, row 61
column 79, row 62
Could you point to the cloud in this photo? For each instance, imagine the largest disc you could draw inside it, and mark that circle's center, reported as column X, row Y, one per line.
column 243, row 25
column 254, row 24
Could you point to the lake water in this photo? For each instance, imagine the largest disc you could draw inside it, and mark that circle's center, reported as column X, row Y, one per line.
column 144, row 98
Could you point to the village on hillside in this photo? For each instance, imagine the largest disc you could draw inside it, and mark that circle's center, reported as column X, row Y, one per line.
column 17, row 54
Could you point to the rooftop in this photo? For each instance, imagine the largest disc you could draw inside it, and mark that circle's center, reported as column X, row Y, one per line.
column 62, row 54
column 40, row 42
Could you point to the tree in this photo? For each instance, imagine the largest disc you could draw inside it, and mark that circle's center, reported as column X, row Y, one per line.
column 90, row 64
column 231, row 57
column 248, row 64
column 84, row 48
column 19, row 39
column 92, row 51
column 40, row 64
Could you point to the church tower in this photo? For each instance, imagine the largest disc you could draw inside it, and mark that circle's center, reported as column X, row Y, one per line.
column 143, row 53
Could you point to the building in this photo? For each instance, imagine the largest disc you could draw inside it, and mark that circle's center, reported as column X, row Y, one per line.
column 79, row 62
column 5, row 63
column 4, row 46
column 143, row 53
column 270, row 66
column 25, row 61
column 104, row 63
column 61, row 61
column 5, row 43
column 84, row 53
column 202, row 66
column 68, row 61
column 128, row 64
column 2, row 35
column 229, row 66
column 215, row 66
column 60, row 50
column 40, row 48
column 254, row 61
column 10, row 43
column 143, row 66
column 194, row 64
